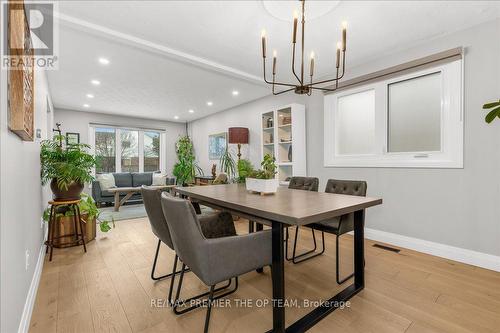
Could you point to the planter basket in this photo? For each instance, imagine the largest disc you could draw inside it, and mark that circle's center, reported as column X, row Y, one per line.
column 65, row 225
column 262, row 186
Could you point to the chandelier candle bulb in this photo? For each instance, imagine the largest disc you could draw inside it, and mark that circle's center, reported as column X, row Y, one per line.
column 274, row 61
column 338, row 55
column 263, row 43
column 344, row 35
column 312, row 64
column 295, row 20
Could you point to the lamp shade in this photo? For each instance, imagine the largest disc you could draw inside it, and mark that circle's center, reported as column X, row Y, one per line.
column 238, row 135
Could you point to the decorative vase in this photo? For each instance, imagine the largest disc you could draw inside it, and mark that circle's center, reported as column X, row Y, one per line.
column 290, row 153
column 72, row 193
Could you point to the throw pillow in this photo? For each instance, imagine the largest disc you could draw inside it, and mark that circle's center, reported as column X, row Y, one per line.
column 159, row 179
column 106, row 180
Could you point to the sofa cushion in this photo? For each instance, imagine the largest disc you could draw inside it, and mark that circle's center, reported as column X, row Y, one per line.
column 123, row 179
column 106, row 180
column 142, row 178
column 159, row 179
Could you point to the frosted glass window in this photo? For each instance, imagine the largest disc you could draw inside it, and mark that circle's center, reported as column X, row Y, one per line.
column 356, row 123
column 415, row 114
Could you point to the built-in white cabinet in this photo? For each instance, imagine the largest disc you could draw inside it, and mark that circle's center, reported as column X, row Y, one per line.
column 284, row 136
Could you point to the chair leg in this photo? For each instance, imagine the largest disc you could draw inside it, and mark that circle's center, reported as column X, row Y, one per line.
column 177, row 301
column 308, row 254
column 337, row 262
column 154, row 265
column 209, row 308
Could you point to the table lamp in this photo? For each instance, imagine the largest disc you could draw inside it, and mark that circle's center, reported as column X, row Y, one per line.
column 239, row 136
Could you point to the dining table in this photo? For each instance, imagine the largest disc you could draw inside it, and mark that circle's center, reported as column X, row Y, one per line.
column 285, row 208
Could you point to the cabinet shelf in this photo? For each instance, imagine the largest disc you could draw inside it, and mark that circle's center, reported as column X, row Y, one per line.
column 288, row 124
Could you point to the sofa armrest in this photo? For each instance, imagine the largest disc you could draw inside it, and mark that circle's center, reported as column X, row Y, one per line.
column 96, row 191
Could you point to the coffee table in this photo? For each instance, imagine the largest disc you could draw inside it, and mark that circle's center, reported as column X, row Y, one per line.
column 130, row 191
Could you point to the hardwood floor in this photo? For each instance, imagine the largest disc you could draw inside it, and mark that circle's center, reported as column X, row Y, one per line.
column 109, row 289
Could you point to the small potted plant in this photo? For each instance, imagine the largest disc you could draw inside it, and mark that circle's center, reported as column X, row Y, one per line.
column 245, row 169
column 67, row 167
column 263, row 181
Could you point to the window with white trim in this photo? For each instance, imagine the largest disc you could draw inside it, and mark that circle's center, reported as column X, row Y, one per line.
column 119, row 149
column 413, row 120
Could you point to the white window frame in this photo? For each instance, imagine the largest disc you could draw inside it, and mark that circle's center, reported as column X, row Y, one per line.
column 451, row 153
column 118, row 129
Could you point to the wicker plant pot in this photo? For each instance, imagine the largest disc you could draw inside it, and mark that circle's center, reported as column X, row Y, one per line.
column 65, row 226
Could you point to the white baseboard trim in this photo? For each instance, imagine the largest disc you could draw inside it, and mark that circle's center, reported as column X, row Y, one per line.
column 470, row 257
column 24, row 325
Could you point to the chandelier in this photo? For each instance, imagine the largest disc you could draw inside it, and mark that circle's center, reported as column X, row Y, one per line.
column 301, row 87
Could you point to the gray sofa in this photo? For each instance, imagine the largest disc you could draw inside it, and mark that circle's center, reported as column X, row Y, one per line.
column 125, row 179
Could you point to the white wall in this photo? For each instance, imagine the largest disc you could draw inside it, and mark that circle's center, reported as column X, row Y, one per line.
column 457, row 207
column 78, row 121
column 22, row 201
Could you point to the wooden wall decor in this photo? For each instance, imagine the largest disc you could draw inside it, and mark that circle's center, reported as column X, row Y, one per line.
column 21, row 80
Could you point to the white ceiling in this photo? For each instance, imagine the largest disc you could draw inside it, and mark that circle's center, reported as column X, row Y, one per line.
column 172, row 56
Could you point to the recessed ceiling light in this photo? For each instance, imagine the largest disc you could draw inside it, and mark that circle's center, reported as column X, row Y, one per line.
column 209, row 103
column 86, row 105
column 176, row 117
column 191, row 111
column 95, row 82
column 104, row 61
column 90, row 96
column 236, row 92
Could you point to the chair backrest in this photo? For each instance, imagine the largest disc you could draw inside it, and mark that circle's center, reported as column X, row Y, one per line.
column 159, row 226
column 350, row 187
column 220, row 179
column 304, row 183
column 189, row 243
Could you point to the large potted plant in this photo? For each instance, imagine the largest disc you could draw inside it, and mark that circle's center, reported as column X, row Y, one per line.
column 227, row 164
column 89, row 213
column 186, row 167
column 263, row 181
column 67, row 167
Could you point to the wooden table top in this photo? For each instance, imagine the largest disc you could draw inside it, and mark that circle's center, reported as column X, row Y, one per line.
column 287, row 206
column 129, row 189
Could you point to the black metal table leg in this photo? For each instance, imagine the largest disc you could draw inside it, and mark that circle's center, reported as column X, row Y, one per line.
column 359, row 249
column 278, row 277
column 313, row 317
column 259, row 227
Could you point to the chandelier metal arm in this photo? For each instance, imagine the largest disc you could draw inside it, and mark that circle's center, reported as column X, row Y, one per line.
column 293, row 64
column 337, row 78
column 302, row 44
column 277, row 83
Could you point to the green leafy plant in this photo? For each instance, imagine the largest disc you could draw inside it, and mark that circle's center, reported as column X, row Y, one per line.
column 65, row 163
column 87, row 207
column 245, row 169
column 493, row 113
column 186, row 168
column 227, row 164
column 268, row 170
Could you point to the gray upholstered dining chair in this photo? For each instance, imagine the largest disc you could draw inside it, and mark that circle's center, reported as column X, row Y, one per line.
column 343, row 224
column 212, row 260
column 306, row 184
column 213, row 224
